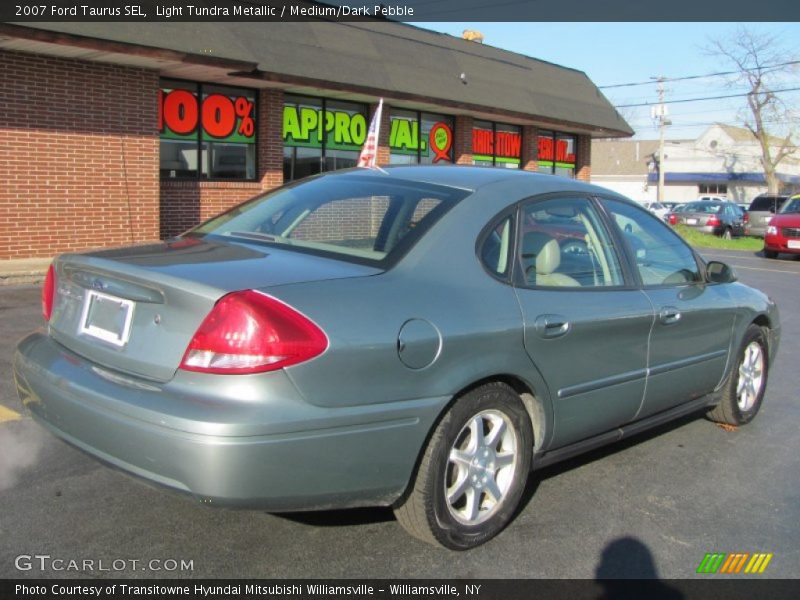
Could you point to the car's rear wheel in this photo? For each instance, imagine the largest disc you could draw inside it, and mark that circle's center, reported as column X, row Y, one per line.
column 743, row 391
column 770, row 253
column 473, row 470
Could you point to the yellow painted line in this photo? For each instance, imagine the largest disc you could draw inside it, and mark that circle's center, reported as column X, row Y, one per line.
column 6, row 414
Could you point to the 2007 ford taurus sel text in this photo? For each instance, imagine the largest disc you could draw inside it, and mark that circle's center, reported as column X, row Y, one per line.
column 419, row 337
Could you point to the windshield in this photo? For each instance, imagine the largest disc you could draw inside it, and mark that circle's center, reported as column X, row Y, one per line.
column 792, row 206
column 363, row 219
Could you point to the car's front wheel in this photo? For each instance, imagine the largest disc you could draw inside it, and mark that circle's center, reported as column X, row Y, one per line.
column 744, row 389
column 473, row 470
column 770, row 253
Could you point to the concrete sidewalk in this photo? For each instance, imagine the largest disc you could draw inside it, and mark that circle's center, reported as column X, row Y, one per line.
column 22, row 271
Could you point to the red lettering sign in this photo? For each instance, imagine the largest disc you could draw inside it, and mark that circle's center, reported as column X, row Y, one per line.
column 558, row 152
column 482, row 141
column 179, row 111
column 508, row 144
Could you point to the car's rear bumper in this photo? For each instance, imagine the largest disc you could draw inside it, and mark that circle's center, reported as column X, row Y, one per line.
column 259, row 444
column 779, row 243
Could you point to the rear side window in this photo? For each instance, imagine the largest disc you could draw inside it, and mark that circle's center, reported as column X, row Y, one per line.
column 363, row 219
column 563, row 243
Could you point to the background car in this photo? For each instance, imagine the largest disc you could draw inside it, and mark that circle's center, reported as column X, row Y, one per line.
column 413, row 337
column 657, row 209
column 783, row 232
column 724, row 219
column 761, row 210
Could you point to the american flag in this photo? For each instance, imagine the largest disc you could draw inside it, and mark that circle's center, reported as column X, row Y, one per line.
column 370, row 150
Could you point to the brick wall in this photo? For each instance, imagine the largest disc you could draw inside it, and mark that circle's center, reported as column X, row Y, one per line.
column 530, row 148
column 463, row 141
column 185, row 203
column 583, row 158
column 79, row 162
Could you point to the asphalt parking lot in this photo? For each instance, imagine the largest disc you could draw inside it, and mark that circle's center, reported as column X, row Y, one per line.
column 652, row 506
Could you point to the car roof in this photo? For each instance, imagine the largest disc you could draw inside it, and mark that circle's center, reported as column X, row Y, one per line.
column 474, row 178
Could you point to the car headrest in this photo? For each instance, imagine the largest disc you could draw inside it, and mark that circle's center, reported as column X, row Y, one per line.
column 541, row 250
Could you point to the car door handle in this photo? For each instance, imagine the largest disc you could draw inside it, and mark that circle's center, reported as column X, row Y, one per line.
column 551, row 326
column 669, row 315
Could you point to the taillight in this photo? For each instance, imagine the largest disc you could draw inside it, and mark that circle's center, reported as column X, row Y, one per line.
column 48, row 293
column 746, row 218
column 673, row 219
column 250, row 332
column 713, row 221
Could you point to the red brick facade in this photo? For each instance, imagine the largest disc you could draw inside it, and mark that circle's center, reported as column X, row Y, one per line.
column 463, row 142
column 80, row 158
column 583, row 158
column 79, row 162
column 530, row 148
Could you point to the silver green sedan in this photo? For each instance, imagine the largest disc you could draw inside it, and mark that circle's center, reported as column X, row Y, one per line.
column 415, row 337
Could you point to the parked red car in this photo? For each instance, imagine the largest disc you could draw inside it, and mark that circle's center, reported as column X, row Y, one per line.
column 783, row 231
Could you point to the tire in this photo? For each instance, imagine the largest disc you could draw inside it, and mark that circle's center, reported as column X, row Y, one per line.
column 770, row 253
column 743, row 391
column 471, row 514
column 727, row 234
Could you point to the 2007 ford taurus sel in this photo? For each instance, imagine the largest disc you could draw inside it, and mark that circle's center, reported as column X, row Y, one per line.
column 419, row 337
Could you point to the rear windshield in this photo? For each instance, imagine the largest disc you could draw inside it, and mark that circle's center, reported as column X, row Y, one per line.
column 703, row 207
column 368, row 220
column 765, row 203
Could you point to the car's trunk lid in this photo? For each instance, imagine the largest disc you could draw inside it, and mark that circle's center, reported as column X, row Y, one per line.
column 694, row 218
column 136, row 309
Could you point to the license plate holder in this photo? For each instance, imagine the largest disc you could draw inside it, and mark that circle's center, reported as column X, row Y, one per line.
column 106, row 317
column 793, row 244
column 691, row 221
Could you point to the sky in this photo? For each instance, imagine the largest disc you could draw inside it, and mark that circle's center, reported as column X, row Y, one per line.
column 614, row 53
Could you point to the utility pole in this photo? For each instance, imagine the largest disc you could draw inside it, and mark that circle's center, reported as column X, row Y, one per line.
column 660, row 112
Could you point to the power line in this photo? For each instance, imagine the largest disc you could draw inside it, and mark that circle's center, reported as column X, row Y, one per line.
column 687, row 77
column 703, row 99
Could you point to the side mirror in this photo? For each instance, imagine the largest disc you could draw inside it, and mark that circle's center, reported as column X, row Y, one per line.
column 719, row 272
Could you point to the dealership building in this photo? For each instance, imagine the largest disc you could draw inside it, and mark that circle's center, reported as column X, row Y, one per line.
column 114, row 133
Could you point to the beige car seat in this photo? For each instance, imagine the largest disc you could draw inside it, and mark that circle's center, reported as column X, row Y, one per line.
column 541, row 256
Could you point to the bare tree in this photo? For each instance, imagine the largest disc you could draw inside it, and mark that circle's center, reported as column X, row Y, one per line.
column 760, row 61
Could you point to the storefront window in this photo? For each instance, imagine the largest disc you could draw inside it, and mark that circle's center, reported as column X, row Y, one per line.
column 495, row 144
column 420, row 138
column 206, row 131
column 557, row 153
column 321, row 135
column 713, row 188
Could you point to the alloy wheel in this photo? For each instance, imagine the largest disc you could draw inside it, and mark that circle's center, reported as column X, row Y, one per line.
column 751, row 376
column 481, row 467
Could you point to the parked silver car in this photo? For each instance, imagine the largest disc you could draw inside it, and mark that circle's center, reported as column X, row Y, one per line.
column 417, row 337
column 724, row 219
